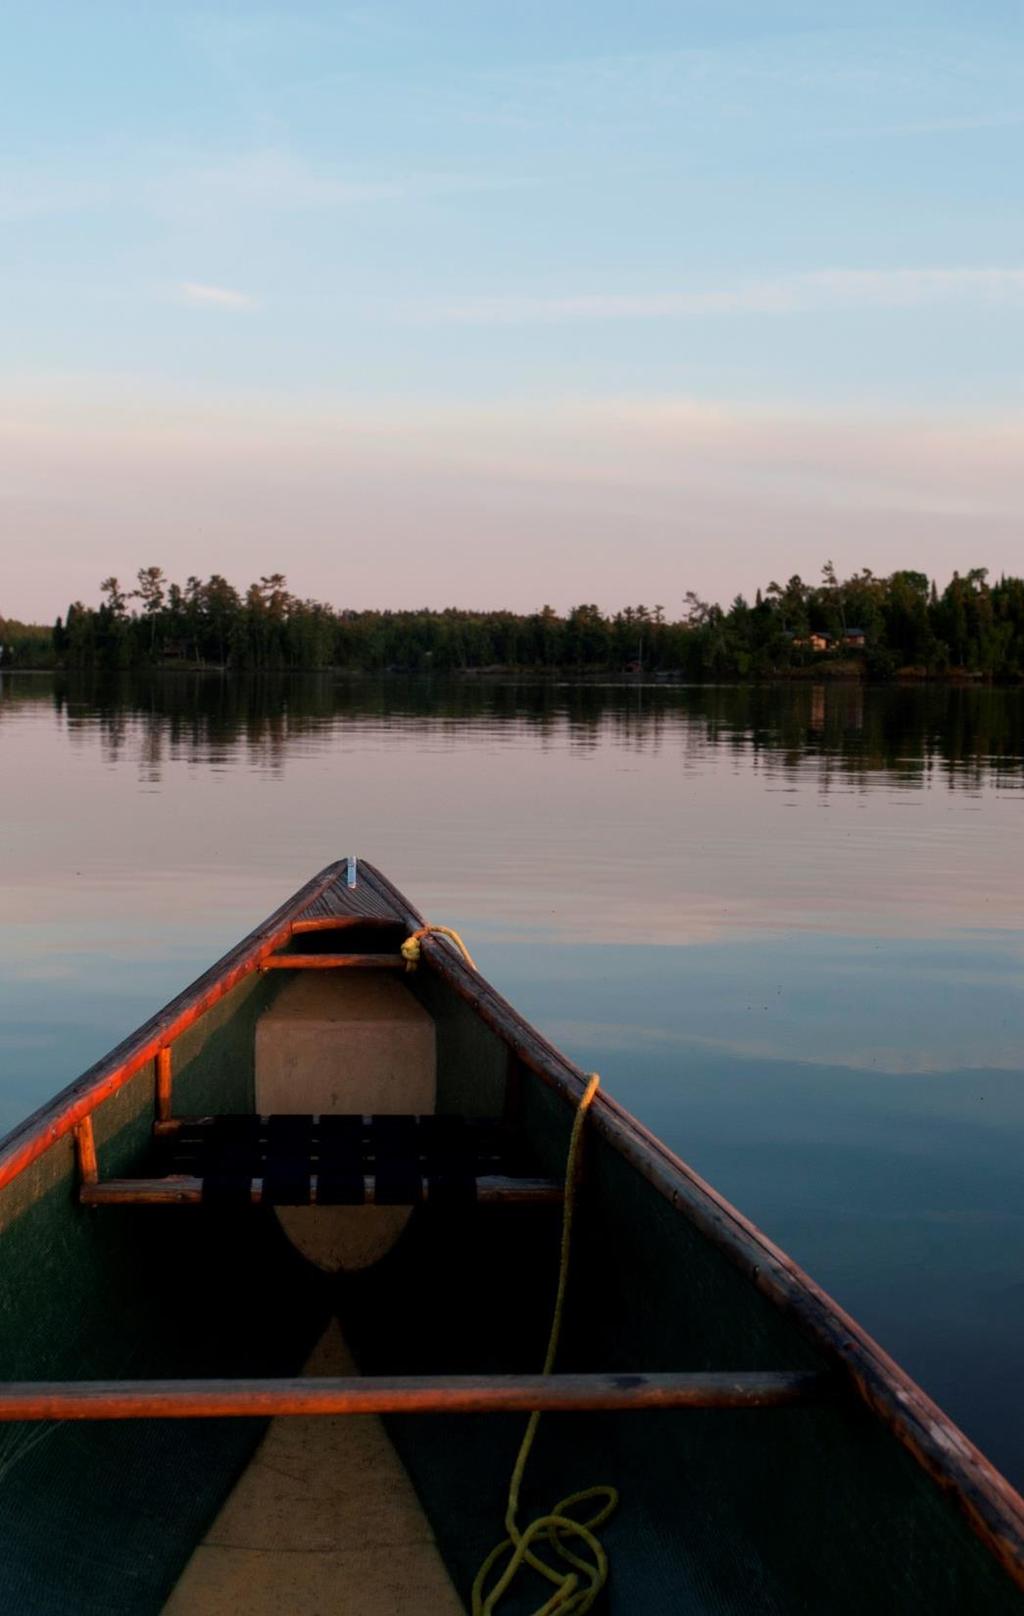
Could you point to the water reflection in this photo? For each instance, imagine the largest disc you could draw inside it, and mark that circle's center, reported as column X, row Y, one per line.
column 966, row 734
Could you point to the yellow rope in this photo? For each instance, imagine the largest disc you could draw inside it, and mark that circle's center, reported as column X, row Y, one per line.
column 411, row 947
column 581, row 1576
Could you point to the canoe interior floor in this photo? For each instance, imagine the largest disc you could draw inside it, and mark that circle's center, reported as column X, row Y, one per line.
column 324, row 1519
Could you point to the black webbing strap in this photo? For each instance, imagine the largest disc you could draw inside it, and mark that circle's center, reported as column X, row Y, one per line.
column 228, row 1160
column 286, row 1169
column 339, row 1166
column 449, row 1160
column 395, row 1160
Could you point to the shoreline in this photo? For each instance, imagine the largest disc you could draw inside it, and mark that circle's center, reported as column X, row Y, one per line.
column 833, row 673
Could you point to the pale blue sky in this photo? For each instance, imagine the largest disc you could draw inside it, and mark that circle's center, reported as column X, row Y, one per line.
column 497, row 303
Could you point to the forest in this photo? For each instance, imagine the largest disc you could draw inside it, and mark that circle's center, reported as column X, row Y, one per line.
column 861, row 626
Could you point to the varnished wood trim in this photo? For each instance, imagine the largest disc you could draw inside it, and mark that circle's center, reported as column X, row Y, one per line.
column 456, row 1394
column 163, row 1084
column 85, row 1151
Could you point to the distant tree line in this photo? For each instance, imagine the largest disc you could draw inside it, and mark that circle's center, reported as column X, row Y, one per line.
column 878, row 626
column 26, row 645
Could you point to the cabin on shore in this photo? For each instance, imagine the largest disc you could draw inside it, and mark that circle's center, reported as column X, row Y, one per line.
column 853, row 639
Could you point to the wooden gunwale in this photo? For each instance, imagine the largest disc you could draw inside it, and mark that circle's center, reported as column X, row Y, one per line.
column 455, row 1394
column 51, row 1122
column 992, row 1507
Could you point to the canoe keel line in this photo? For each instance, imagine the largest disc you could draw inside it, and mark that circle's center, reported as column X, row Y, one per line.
column 340, row 923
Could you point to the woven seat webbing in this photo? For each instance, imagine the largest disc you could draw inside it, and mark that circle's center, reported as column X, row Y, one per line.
column 401, row 1155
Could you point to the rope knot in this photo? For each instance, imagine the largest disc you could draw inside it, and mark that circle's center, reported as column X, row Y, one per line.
column 411, row 949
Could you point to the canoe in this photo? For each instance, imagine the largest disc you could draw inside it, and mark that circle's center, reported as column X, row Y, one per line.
column 279, row 1277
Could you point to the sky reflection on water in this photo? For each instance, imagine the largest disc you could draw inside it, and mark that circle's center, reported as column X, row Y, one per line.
column 784, row 923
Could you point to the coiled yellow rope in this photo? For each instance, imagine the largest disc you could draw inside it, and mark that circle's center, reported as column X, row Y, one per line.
column 411, row 947
column 581, row 1576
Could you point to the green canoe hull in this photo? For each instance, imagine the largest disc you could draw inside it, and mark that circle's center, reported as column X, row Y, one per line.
column 867, row 1500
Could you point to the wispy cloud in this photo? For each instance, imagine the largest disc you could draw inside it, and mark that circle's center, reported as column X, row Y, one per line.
column 776, row 78
column 205, row 186
column 265, row 179
column 811, row 292
column 969, row 123
column 199, row 187
column 203, row 296
column 35, row 193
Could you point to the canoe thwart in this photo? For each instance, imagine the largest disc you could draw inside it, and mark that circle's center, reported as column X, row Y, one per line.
column 333, row 962
column 342, row 923
column 179, row 1189
column 445, row 1394
column 329, row 1160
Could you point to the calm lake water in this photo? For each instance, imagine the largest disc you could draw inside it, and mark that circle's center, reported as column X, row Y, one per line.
column 785, row 924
